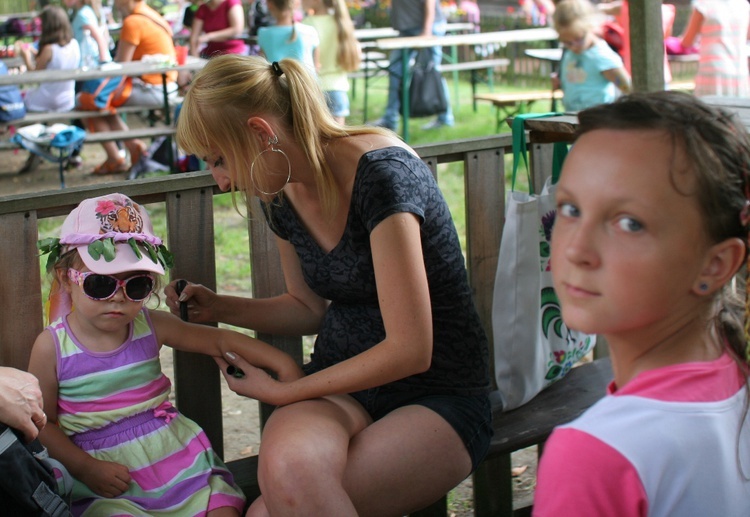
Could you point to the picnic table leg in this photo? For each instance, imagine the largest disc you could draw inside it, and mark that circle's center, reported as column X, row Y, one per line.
column 366, row 80
column 405, row 92
column 168, row 121
column 454, row 59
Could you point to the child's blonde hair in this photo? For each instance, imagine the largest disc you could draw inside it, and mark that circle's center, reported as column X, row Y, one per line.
column 232, row 88
column 576, row 15
column 349, row 56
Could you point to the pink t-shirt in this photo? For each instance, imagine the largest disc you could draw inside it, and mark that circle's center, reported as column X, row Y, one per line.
column 669, row 443
column 216, row 20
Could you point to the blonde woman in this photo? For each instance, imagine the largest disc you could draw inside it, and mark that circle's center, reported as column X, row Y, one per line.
column 397, row 384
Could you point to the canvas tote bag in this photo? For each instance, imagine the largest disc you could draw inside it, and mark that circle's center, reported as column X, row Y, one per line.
column 533, row 347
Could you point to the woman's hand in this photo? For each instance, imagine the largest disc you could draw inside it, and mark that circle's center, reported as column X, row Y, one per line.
column 201, row 302
column 21, row 402
column 254, row 382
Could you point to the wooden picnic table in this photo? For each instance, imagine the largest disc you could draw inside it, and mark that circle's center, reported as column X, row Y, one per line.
column 373, row 57
column 129, row 68
column 406, row 44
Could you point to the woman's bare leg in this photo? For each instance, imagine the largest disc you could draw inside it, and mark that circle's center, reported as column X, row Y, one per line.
column 322, row 458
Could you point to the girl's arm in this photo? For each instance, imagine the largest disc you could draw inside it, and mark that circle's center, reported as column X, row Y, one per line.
column 190, row 337
column 404, row 301
column 36, row 59
column 105, row 478
column 236, row 20
column 429, row 17
column 620, row 77
column 125, row 51
column 195, row 31
column 693, row 29
column 100, row 41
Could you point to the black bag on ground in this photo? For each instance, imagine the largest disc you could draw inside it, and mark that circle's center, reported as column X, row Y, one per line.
column 426, row 92
column 28, row 484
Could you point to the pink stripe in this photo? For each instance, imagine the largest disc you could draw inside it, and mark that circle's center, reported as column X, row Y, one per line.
column 222, row 500
column 118, row 400
column 162, row 473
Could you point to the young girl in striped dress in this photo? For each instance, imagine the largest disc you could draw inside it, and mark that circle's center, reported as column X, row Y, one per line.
column 110, row 420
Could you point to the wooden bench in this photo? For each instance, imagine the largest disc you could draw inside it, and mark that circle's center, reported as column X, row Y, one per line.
column 51, row 117
column 110, row 136
column 188, row 201
column 509, row 104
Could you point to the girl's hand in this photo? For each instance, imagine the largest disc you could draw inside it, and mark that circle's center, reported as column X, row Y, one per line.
column 106, row 478
column 200, row 302
column 256, row 383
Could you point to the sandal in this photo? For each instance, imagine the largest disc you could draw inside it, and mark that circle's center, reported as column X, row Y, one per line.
column 116, row 166
column 137, row 152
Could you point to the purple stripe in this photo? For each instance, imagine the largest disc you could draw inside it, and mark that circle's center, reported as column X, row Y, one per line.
column 85, row 364
column 131, row 423
column 179, row 492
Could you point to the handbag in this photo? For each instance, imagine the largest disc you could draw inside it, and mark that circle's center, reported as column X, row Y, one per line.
column 105, row 93
column 426, row 92
column 31, row 483
column 533, row 346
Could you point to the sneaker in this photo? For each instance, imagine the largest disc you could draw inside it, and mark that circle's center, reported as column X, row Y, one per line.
column 435, row 124
column 381, row 122
column 74, row 162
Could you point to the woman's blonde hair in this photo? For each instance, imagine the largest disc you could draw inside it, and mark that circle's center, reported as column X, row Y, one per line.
column 232, row 88
column 578, row 15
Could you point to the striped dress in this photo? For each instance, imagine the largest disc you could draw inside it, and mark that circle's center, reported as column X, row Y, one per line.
column 115, row 406
column 722, row 65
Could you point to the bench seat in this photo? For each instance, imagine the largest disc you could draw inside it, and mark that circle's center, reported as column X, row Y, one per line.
column 51, row 117
column 531, row 424
column 109, row 136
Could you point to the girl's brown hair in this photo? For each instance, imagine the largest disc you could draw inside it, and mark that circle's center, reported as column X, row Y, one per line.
column 55, row 27
column 717, row 146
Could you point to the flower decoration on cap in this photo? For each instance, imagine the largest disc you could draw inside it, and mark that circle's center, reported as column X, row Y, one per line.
column 112, row 228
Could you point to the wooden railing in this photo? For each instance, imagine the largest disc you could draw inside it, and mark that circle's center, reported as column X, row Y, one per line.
column 190, row 236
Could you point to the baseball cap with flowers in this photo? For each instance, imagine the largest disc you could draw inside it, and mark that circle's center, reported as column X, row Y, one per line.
column 113, row 235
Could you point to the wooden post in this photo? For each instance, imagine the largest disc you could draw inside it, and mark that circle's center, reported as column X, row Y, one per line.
column 646, row 46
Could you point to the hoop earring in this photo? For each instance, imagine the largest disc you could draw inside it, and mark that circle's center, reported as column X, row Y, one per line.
column 272, row 143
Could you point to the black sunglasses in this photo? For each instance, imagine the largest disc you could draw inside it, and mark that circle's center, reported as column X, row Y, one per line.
column 103, row 287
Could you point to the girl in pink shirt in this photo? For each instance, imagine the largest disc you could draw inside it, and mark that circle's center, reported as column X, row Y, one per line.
column 651, row 228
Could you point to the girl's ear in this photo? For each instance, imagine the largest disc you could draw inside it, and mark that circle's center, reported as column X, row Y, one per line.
column 723, row 260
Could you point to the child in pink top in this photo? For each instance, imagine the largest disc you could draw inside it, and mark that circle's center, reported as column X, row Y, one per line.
column 217, row 28
column 652, row 225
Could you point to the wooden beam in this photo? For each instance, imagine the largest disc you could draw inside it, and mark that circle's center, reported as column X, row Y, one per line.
column 646, row 46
